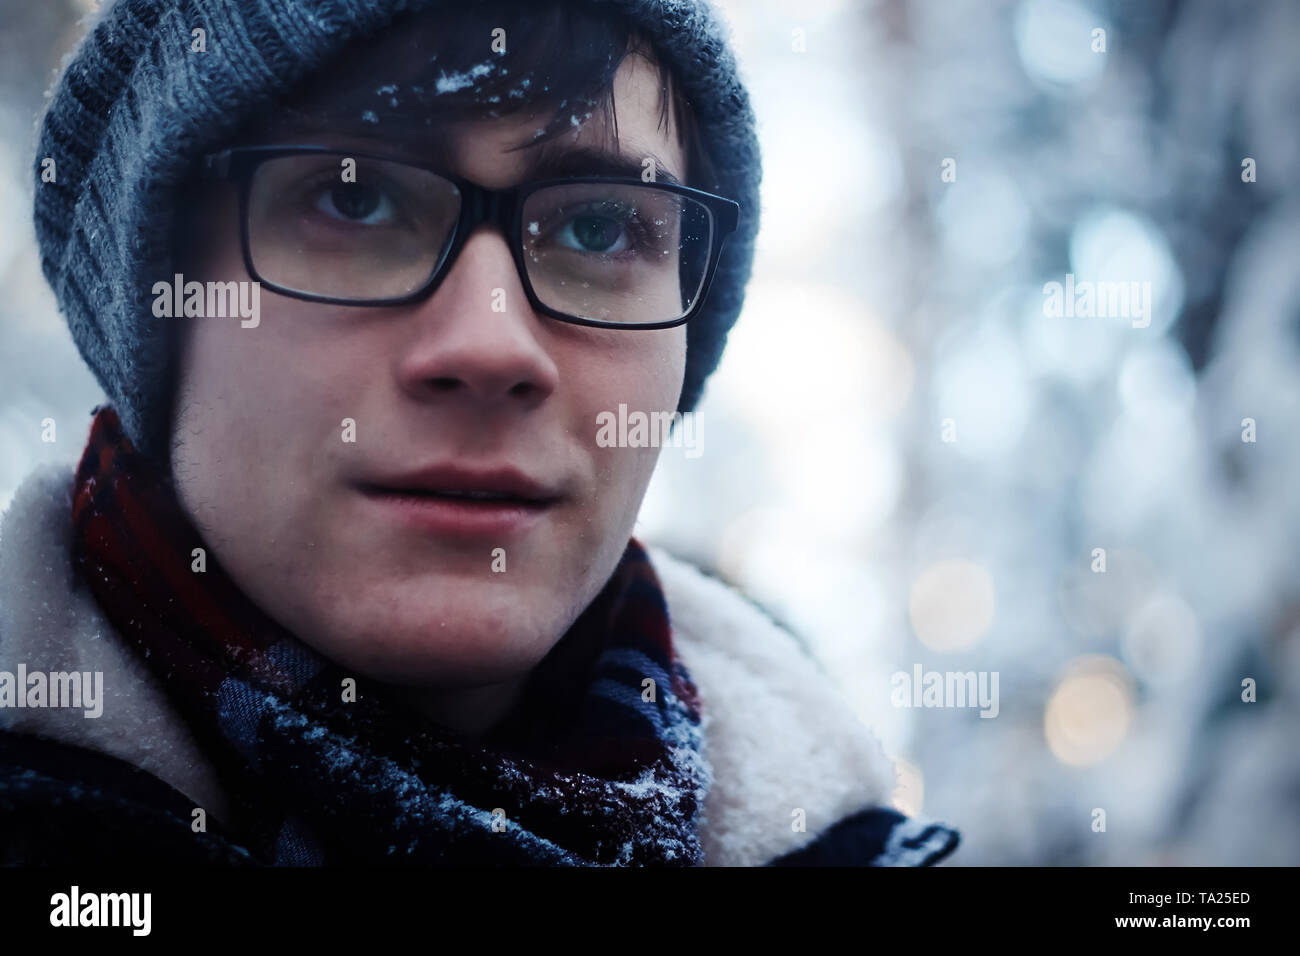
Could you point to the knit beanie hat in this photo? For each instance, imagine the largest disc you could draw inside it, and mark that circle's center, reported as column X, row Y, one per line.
column 136, row 106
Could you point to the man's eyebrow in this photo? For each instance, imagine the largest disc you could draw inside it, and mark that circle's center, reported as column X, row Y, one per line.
column 400, row 135
column 547, row 160
column 592, row 161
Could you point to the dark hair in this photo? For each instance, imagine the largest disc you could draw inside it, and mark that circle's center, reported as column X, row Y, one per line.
column 438, row 66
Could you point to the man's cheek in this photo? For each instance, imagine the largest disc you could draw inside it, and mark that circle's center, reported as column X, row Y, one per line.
column 630, row 474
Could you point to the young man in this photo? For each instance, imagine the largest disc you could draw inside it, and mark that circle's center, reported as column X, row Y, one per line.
column 356, row 571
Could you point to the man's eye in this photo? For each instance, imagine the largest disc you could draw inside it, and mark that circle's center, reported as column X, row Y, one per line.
column 599, row 228
column 357, row 202
column 595, row 233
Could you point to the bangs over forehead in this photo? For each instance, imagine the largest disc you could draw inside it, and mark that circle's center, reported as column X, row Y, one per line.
column 431, row 70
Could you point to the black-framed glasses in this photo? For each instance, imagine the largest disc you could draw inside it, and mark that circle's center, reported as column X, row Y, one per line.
column 354, row 228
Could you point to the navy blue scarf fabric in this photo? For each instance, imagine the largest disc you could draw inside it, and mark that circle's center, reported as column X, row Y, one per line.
column 596, row 765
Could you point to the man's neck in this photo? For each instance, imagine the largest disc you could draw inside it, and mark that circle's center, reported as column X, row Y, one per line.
column 470, row 711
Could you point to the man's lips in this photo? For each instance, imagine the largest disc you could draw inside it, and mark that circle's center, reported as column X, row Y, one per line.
column 461, row 502
column 456, row 482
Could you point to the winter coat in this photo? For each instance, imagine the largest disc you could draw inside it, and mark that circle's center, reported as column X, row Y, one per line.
column 123, row 786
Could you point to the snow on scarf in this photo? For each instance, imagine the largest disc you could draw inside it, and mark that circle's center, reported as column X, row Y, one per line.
column 584, row 771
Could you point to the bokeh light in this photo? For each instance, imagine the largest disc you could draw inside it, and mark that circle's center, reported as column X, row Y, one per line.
column 1089, row 712
column 951, row 605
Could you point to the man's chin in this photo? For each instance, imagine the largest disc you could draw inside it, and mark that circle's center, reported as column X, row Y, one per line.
column 458, row 641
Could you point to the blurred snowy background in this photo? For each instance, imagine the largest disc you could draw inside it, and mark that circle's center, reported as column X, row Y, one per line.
column 887, row 301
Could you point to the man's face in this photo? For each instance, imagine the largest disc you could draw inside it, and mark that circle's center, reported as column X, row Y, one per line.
column 263, row 469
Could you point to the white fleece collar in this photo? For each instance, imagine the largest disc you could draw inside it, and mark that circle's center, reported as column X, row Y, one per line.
column 777, row 733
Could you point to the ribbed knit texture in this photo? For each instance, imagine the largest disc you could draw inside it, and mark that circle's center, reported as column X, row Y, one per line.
column 135, row 107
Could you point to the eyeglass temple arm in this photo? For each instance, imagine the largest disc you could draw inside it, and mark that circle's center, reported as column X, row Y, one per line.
column 215, row 165
column 730, row 215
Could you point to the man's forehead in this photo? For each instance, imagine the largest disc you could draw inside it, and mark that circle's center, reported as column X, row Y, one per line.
column 484, row 155
column 488, row 149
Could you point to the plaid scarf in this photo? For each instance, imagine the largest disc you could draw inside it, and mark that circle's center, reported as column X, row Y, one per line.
column 584, row 771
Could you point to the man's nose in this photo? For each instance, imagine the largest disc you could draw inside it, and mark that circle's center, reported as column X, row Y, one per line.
column 477, row 336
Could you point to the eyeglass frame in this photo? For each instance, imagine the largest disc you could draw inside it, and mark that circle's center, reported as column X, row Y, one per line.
column 478, row 204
